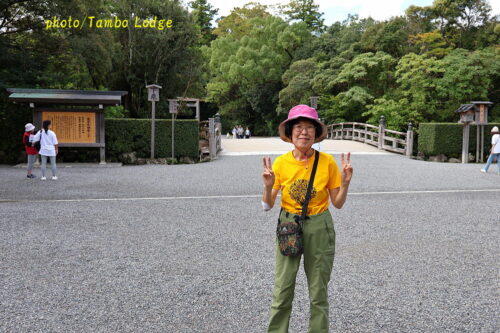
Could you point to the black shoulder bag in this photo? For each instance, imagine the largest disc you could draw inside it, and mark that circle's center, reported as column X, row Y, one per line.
column 289, row 233
column 38, row 144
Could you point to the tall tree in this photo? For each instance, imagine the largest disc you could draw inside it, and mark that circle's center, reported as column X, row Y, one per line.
column 298, row 81
column 238, row 23
column 430, row 89
column 306, row 11
column 460, row 22
column 204, row 13
column 431, row 44
column 168, row 57
column 18, row 16
column 390, row 36
column 246, row 73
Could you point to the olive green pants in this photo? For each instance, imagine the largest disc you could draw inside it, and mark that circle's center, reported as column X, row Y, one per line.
column 319, row 250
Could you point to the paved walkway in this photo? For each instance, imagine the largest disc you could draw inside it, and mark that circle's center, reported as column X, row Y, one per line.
column 188, row 249
column 274, row 145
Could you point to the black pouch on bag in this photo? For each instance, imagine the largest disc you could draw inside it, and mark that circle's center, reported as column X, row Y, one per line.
column 37, row 145
column 290, row 237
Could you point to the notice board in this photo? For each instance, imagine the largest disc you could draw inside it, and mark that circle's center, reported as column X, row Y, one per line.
column 73, row 127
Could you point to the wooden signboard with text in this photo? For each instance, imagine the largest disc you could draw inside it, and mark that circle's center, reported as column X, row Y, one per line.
column 73, row 127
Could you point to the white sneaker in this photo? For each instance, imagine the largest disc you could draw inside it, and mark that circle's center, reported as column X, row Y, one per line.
column 482, row 170
column 43, row 178
column 54, row 177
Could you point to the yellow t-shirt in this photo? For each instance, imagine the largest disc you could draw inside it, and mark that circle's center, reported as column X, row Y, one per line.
column 292, row 177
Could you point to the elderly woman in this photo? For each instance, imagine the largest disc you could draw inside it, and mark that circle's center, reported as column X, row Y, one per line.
column 290, row 173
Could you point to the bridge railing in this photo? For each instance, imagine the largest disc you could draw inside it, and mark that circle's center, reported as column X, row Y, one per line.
column 378, row 136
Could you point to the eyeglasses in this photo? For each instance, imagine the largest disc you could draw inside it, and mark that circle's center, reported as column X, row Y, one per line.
column 300, row 128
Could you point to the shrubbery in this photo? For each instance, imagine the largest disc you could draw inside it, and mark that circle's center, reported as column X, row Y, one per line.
column 129, row 135
column 446, row 138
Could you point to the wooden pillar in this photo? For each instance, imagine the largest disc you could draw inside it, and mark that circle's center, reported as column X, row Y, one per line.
column 381, row 131
column 482, row 143
column 465, row 143
column 211, row 139
column 102, row 139
column 478, row 140
column 409, row 140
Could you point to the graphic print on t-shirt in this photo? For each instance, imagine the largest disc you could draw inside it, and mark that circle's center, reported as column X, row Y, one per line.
column 298, row 191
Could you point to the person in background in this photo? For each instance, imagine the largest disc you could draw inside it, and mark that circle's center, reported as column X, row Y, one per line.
column 31, row 151
column 495, row 150
column 247, row 133
column 234, row 132
column 49, row 147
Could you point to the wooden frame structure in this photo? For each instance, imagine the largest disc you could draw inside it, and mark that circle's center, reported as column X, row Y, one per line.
column 75, row 111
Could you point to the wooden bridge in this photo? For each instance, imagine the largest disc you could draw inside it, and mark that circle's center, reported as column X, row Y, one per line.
column 378, row 136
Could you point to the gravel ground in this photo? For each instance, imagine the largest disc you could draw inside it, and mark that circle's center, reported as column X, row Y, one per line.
column 405, row 262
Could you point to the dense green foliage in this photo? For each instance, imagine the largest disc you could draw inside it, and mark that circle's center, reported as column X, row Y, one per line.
column 446, row 138
column 246, row 72
column 203, row 15
column 258, row 61
column 415, row 68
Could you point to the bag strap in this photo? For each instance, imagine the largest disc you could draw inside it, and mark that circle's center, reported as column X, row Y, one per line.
column 309, row 187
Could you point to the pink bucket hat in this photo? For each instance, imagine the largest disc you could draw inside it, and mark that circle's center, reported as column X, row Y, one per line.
column 304, row 111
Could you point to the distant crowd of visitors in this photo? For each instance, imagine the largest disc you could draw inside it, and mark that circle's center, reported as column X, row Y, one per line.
column 240, row 133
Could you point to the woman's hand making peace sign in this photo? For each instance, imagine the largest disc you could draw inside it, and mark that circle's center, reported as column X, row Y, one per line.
column 268, row 174
column 346, row 171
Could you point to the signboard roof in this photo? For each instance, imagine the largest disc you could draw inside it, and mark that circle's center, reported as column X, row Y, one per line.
column 55, row 96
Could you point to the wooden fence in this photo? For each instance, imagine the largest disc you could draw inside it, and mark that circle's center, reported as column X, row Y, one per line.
column 378, row 136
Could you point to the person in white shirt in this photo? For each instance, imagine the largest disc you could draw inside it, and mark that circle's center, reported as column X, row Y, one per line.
column 49, row 147
column 495, row 150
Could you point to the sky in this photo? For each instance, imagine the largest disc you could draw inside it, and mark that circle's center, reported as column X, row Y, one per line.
column 337, row 10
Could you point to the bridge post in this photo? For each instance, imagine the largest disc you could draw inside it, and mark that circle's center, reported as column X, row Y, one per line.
column 409, row 140
column 218, row 132
column 212, row 144
column 381, row 131
column 342, row 132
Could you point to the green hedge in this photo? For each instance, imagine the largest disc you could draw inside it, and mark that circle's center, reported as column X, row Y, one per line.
column 129, row 135
column 446, row 138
